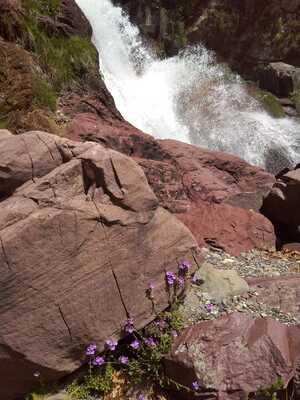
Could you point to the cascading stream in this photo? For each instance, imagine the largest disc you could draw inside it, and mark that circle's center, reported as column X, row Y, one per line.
column 188, row 97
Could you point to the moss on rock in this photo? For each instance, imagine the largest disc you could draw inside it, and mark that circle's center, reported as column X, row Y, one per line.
column 65, row 59
column 270, row 103
column 50, row 53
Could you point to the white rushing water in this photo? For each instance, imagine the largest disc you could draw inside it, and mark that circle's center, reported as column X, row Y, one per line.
column 188, row 97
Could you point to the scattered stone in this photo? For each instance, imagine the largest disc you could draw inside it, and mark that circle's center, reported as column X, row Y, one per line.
column 273, row 279
column 255, row 263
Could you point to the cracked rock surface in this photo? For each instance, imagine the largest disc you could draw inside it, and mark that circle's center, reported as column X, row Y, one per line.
column 81, row 237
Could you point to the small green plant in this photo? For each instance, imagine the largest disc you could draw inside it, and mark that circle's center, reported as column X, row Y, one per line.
column 44, row 94
column 271, row 392
column 96, row 382
column 3, row 123
column 45, row 7
column 37, row 394
column 65, row 59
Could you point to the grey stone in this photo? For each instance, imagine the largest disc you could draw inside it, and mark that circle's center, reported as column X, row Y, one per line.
column 220, row 284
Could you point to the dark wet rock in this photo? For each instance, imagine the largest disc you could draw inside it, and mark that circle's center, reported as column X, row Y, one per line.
column 280, row 78
column 282, row 206
column 246, row 34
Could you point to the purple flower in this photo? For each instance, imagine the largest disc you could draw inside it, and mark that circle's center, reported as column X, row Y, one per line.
column 151, row 286
column 184, row 266
column 209, row 307
column 196, row 385
column 174, row 334
column 111, row 344
column 123, row 360
column 98, row 361
column 37, row 374
column 171, row 278
column 91, row 349
column 150, row 342
column 135, row 344
column 161, row 324
column 141, row 396
column 129, row 326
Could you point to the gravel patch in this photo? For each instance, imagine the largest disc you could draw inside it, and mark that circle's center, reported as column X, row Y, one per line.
column 199, row 307
column 255, row 263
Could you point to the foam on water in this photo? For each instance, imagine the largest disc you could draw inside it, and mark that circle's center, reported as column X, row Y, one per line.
column 188, row 97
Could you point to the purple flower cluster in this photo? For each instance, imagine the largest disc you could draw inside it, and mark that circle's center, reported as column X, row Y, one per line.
column 123, row 360
column 111, row 344
column 135, row 344
column 91, row 349
column 129, row 326
column 209, row 307
column 184, row 266
column 196, row 386
column 161, row 324
column 170, row 278
column 98, row 361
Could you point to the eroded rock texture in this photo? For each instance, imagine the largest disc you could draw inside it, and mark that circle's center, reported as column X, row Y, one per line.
column 81, row 237
column 216, row 195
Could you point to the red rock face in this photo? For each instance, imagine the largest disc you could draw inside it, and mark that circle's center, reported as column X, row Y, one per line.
column 281, row 292
column 235, row 355
column 216, row 195
column 81, row 237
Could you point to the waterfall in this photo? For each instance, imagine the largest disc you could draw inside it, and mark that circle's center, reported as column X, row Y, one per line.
column 189, row 97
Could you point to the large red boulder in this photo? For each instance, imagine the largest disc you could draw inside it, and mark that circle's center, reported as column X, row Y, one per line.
column 81, row 236
column 234, row 356
column 217, row 195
